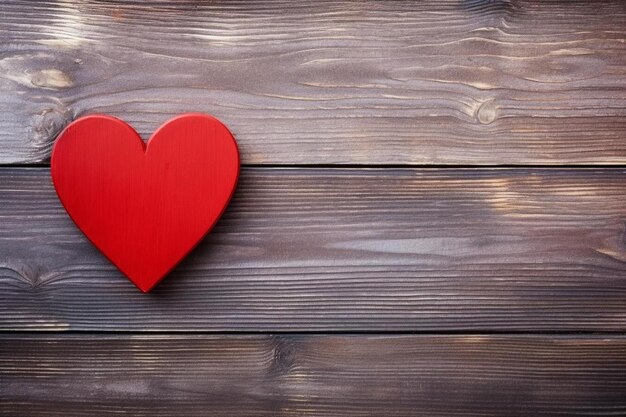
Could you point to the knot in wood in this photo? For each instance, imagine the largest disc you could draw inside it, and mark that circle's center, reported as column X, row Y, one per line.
column 487, row 112
column 51, row 79
column 49, row 123
column 284, row 356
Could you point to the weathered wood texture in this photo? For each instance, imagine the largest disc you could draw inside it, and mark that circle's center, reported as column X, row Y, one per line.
column 342, row 249
column 311, row 375
column 469, row 82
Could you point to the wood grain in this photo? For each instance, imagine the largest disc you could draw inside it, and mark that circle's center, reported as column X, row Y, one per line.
column 311, row 375
column 389, row 82
column 342, row 249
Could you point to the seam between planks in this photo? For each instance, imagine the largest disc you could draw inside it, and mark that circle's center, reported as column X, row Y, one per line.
column 503, row 333
column 588, row 167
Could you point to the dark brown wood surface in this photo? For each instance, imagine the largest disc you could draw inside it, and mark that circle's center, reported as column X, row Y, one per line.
column 77, row 375
column 402, row 82
column 305, row 299
column 343, row 249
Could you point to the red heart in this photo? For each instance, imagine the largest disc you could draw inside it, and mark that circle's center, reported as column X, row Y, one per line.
column 145, row 206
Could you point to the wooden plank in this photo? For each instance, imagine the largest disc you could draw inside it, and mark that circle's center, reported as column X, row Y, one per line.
column 287, row 375
column 472, row 82
column 342, row 249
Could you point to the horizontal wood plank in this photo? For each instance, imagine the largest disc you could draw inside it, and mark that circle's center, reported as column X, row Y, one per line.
column 389, row 82
column 342, row 249
column 311, row 375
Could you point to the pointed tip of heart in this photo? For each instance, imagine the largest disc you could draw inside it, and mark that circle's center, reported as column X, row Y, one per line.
column 146, row 287
column 145, row 290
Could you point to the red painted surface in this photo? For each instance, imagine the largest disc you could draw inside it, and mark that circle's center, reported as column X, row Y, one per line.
column 145, row 206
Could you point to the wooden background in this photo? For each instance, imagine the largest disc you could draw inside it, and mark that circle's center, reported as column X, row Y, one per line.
column 431, row 217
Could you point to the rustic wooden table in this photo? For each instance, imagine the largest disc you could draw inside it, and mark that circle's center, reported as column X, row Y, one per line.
column 431, row 217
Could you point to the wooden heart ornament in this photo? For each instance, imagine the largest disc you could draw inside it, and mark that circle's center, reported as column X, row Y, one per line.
column 145, row 206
